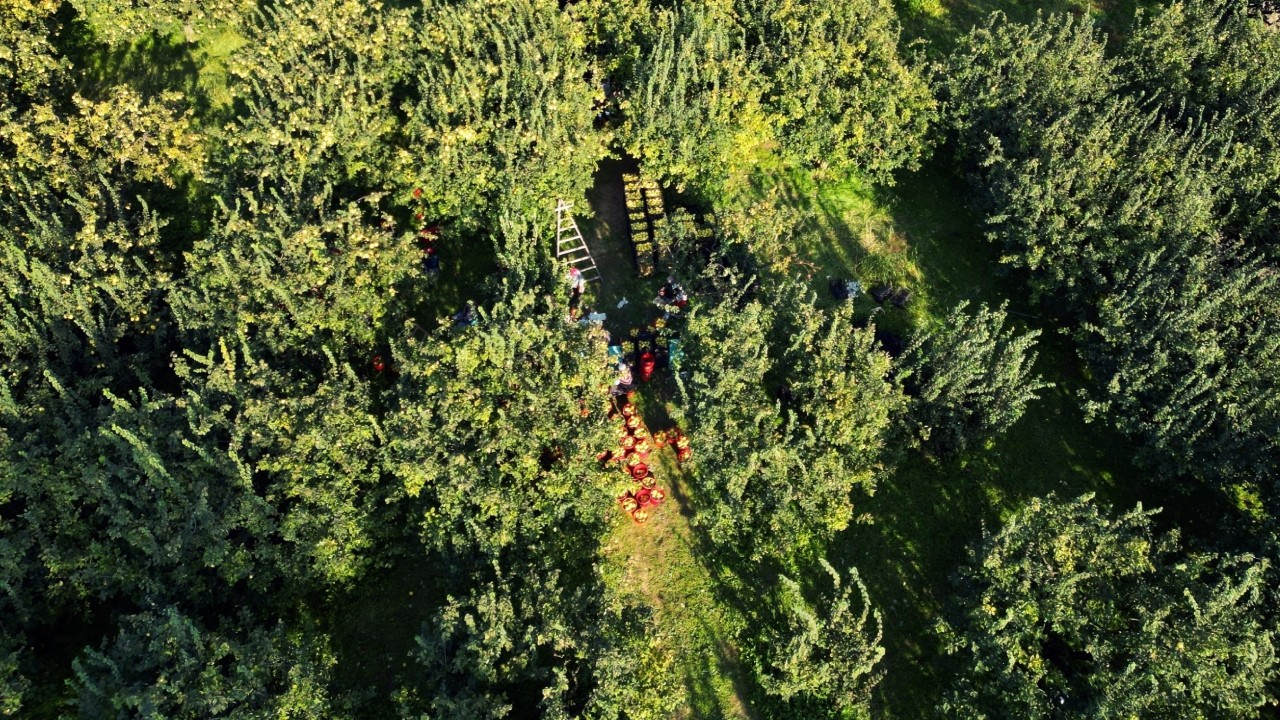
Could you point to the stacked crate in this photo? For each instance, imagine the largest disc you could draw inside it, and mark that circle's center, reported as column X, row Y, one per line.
column 645, row 212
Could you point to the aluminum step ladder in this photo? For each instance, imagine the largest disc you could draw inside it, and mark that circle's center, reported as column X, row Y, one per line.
column 571, row 247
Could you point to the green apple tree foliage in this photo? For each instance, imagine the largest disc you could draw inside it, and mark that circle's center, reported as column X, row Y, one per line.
column 839, row 91
column 163, row 664
column 693, row 99
column 501, row 110
column 822, row 657
column 970, row 378
column 788, row 407
column 1125, row 213
column 1068, row 612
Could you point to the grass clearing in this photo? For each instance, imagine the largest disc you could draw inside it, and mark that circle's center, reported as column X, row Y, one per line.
column 660, row 564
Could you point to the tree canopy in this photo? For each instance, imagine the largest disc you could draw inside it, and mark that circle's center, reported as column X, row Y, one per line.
column 1069, row 612
column 300, row 415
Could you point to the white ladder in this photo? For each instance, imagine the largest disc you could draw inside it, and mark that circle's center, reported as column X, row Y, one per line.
column 570, row 246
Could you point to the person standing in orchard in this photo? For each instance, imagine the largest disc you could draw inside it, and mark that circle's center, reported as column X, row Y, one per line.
column 576, row 285
column 431, row 265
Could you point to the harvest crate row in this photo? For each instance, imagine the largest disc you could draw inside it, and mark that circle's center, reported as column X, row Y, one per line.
column 647, row 219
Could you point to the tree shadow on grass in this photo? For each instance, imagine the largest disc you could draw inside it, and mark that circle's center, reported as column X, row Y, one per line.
column 151, row 64
column 742, row 585
column 705, row 702
column 845, row 231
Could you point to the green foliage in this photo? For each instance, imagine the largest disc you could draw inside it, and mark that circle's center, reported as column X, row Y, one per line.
column 128, row 141
column 617, row 31
column 762, row 235
column 731, row 415
column 81, row 289
column 162, row 664
column 293, row 283
column 1069, row 613
column 127, row 503
column 309, row 445
column 1216, row 57
column 524, row 632
column 1007, row 77
column 118, row 499
column 824, row 655
column 501, row 118
column 775, row 477
column 12, row 685
column 29, row 64
column 1188, row 352
column 716, row 81
column 691, row 97
column 316, row 84
column 839, row 403
column 970, row 378
column 496, row 462
column 1129, row 215
column 15, row 608
column 485, row 436
column 839, row 92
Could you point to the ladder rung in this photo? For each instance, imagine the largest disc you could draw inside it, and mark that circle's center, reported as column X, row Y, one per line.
column 579, row 255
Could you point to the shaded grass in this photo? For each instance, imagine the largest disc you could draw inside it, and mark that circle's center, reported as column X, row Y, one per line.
column 377, row 627
column 663, row 564
column 606, row 232
column 847, row 232
column 150, row 65
column 939, row 24
column 157, row 63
